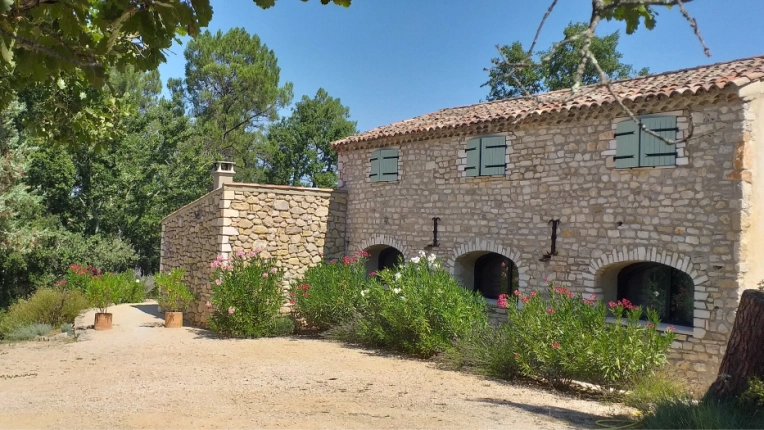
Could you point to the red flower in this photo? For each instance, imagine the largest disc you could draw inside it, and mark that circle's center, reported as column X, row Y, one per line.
column 649, row 325
column 292, row 294
column 517, row 355
column 670, row 328
column 333, row 262
column 372, row 274
column 556, row 345
column 346, row 259
column 525, row 299
column 291, row 301
column 517, row 292
column 550, row 310
column 612, row 304
column 305, row 294
column 502, row 301
column 533, row 294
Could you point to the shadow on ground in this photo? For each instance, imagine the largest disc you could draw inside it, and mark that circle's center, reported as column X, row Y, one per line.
column 572, row 416
column 151, row 309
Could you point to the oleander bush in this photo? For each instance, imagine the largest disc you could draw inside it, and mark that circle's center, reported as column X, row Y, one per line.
column 329, row 294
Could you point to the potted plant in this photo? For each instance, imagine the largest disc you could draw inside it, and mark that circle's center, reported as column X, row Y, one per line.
column 174, row 297
column 100, row 293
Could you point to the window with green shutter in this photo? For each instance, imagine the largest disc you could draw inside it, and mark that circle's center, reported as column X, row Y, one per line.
column 384, row 165
column 486, row 156
column 637, row 148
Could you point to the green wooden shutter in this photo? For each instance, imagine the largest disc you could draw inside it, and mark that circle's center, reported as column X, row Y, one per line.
column 627, row 145
column 388, row 165
column 493, row 153
column 653, row 151
column 375, row 161
column 473, row 158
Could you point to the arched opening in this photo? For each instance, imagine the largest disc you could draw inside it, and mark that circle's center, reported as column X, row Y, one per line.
column 382, row 257
column 667, row 290
column 487, row 273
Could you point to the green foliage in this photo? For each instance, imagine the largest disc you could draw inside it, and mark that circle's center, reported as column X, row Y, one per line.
column 232, row 85
column 660, row 387
column 246, row 296
column 130, row 288
column 566, row 337
column 329, row 294
column 103, row 290
column 47, row 306
column 174, row 295
column 283, row 326
column 418, row 309
column 560, row 70
column 67, row 328
column 709, row 414
column 28, row 332
column 300, row 153
column 754, row 395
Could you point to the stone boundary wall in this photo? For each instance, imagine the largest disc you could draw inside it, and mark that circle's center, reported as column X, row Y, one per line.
column 296, row 226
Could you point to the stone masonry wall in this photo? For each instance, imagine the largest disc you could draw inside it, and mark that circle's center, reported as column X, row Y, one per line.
column 561, row 167
column 296, row 226
column 190, row 241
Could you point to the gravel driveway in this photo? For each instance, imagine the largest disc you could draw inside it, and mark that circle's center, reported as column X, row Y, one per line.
column 140, row 375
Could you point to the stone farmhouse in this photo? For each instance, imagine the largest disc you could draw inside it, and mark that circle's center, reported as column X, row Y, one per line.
column 513, row 192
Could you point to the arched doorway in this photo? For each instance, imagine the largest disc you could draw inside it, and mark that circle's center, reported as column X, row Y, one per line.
column 487, row 273
column 669, row 291
column 382, row 257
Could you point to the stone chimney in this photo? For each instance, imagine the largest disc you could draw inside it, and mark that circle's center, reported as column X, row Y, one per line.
column 222, row 173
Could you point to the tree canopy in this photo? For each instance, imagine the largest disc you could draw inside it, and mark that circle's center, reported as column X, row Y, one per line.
column 559, row 70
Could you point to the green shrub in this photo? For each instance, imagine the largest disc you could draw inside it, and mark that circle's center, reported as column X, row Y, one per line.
column 329, row 294
column 246, row 295
column 418, row 309
column 130, row 288
column 283, row 326
column 706, row 414
column 67, row 328
column 648, row 392
column 77, row 277
column 486, row 350
column 29, row 332
column 754, row 395
column 174, row 295
column 566, row 337
column 46, row 306
column 103, row 289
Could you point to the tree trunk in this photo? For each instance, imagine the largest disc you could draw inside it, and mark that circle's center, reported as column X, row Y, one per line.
column 744, row 358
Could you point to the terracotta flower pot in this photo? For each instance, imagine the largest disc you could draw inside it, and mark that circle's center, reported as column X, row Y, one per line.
column 173, row 319
column 102, row 321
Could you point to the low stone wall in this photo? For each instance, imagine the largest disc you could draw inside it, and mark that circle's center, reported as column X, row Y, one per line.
column 296, row 226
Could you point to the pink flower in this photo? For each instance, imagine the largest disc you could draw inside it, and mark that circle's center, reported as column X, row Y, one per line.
column 670, row 328
column 612, row 304
column 231, row 310
column 292, row 293
column 346, row 260
column 502, row 301
column 593, row 296
column 372, row 274
column 556, row 345
column 291, row 301
column 533, row 294
column 258, row 250
column 208, row 304
column 517, row 292
column 517, row 355
column 649, row 325
column 305, row 294
column 214, row 264
column 525, row 299
column 265, row 274
column 571, row 294
column 218, row 281
column 240, row 253
column 546, row 278
column 251, row 254
column 550, row 310
column 333, row 262
column 503, row 264
column 274, row 270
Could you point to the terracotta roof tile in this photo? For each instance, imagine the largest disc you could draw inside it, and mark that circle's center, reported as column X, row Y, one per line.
column 687, row 81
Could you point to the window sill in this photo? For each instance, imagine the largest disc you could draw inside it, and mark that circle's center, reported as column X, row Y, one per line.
column 689, row 331
column 379, row 183
column 645, row 168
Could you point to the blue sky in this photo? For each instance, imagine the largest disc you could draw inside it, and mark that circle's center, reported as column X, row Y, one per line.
column 389, row 60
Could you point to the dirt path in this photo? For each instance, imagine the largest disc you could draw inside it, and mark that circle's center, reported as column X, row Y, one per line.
column 140, row 375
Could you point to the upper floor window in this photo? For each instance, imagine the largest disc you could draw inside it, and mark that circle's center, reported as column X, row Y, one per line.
column 636, row 148
column 384, row 165
column 486, row 156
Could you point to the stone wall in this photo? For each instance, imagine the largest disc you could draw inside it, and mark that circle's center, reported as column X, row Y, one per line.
column 561, row 167
column 296, row 226
column 190, row 241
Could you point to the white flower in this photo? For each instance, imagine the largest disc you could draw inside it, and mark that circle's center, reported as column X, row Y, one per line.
column 657, row 293
column 422, row 254
column 363, row 293
column 398, row 276
column 396, row 290
column 436, row 265
column 431, row 258
column 415, row 260
column 137, row 280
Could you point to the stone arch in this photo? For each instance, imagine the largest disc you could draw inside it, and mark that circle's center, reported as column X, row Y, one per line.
column 598, row 279
column 479, row 246
column 377, row 243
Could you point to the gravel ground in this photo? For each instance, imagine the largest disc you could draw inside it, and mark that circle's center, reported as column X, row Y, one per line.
column 141, row 375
